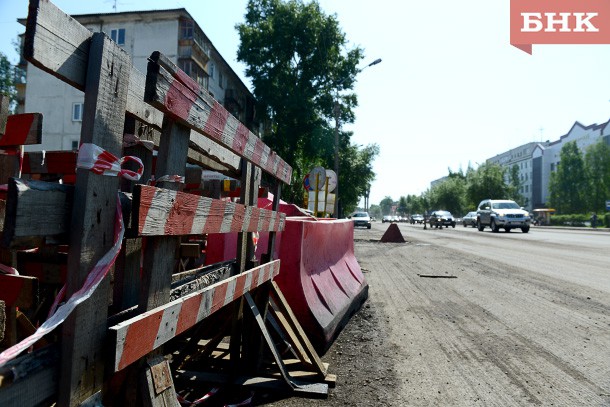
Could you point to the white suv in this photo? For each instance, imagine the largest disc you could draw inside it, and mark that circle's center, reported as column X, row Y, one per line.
column 502, row 213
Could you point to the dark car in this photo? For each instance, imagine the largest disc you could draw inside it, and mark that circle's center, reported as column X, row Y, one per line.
column 470, row 219
column 439, row 219
column 417, row 218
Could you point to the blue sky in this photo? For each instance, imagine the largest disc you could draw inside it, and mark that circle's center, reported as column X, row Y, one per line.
column 450, row 91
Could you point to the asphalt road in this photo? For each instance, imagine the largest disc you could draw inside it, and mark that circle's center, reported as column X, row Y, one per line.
column 494, row 319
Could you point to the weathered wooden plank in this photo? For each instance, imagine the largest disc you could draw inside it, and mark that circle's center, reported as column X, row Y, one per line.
column 295, row 330
column 31, row 379
column 49, row 162
column 22, row 129
column 92, row 225
column 36, row 209
column 138, row 336
column 164, row 212
column 158, row 387
column 18, row 291
column 59, row 45
column 160, row 251
column 172, row 91
column 191, row 281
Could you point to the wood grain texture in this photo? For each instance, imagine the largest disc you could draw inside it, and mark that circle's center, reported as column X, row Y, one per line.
column 36, row 209
column 30, row 380
column 140, row 335
column 59, row 45
column 164, row 212
column 92, row 224
column 175, row 93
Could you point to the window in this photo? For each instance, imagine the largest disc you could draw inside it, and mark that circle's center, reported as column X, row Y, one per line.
column 77, row 112
column 74, row 144
column 220, row 80
column 211, row 70
column 552, row 167
column 186, row 29
column 118, row 36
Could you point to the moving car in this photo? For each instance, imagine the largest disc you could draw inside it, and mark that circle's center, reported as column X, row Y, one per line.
column 361, row 219
column 417, row 218
column 386, row 218
column 502, row 213
column 441, row 218
column 470, row 219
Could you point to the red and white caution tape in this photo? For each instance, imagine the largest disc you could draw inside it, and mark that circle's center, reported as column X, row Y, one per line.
column 100, row 161
column 199, row 401
column 179, row 179
column 4, row 269
column 95, row 276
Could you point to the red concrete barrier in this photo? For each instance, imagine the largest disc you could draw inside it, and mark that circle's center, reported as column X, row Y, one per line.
column 320, row 276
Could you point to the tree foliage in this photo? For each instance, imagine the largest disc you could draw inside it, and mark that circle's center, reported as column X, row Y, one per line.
column 487, row 181
column 597, row 166
column 568, row 184
column 449, row 195
column 299, row 63
column 7, row 78
column 386, row 205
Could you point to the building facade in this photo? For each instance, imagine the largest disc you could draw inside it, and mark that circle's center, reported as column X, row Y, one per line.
column 521, row 157
column 537, row 161
column 172, row 32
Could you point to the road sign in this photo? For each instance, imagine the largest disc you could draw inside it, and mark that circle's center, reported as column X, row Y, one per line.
column 320, row 173
column 608, row 205
column 332, row 180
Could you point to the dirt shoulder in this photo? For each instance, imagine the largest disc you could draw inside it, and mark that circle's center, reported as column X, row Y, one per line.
column 480, row 333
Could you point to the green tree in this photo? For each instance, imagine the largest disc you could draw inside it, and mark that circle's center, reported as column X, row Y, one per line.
column 375, row 210
column 403, row 208
column 449, row 195
column 597, row 166
column 487, row 181
column 7, row 79
column 568, row 184
column 299, row 63
column 386, row 205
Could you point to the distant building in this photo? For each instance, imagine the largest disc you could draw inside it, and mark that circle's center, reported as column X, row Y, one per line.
column 536, row 161
column 172, row 32
column 438, row 181
column 522, row 158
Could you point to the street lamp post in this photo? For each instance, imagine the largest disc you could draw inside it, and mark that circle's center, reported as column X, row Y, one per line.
column 337, row 125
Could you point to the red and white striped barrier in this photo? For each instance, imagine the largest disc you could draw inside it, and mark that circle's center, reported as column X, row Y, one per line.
column 141, row 335
column 22, row 129
column 176, row 93
column 165, row 212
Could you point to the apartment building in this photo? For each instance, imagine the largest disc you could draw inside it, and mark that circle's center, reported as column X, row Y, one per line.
column 522, row 158
column 172, row 32
column 537, row 161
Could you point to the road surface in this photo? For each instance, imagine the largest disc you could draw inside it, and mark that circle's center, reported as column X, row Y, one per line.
column 458, row 317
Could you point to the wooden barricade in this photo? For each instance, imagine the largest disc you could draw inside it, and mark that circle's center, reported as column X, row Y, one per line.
column 112, row 344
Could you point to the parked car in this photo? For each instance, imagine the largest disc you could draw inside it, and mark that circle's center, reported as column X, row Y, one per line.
column 470, row 219
column 386, row 218
column 439, row 219
column 502, row 213
column 417, row 218
column 361, row 219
